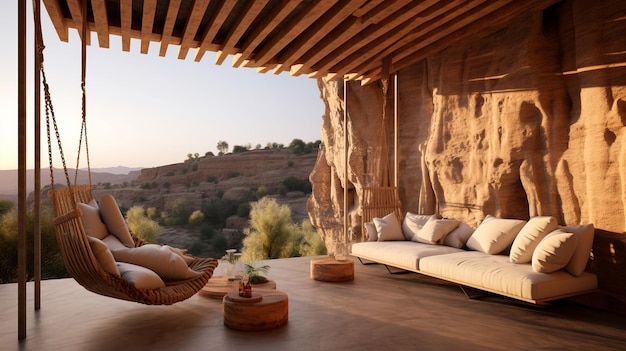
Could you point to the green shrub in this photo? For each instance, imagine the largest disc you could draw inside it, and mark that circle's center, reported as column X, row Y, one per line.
column 196, row 218
column 142, row 226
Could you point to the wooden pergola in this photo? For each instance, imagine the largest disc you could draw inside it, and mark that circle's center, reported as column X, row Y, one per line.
column 349, row 39
column 333, row 38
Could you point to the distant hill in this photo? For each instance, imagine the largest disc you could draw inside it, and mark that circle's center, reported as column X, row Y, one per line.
column 114, row 175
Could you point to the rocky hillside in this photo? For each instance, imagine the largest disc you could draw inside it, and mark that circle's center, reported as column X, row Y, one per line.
column 199, row 180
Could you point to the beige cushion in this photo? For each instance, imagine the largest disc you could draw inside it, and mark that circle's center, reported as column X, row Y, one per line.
column 372, row 233
column 161, row 260
column 140, row 277
column 494, row 234
column 182, row 253
column 584, row 236
column 554, row 252
column 434, row 230
column 92, row 223
column 459, row 236
column 114, row 220
column 413, row 223
column 388, row 228
column 103, row 255
column 529, row 237
column 112, row 242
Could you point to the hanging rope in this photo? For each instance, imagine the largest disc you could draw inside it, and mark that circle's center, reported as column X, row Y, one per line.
column 83, row 83
column 50, row 116
column 384, row 144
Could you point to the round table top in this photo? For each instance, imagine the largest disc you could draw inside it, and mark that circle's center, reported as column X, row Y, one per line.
column 219, row 285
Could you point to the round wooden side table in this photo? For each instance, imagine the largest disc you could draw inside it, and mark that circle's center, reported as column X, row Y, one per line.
column 219, row 285
column 330, row 269
column 266, row 309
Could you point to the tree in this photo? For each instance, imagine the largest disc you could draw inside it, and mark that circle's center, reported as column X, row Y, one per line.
column 222, row 147
column 6, row 206
column 297, row 145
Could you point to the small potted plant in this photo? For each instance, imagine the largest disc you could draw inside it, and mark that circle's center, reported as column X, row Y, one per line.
column 256, row 274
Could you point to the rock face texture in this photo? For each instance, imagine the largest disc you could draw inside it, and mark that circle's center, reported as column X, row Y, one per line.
column 527, row 121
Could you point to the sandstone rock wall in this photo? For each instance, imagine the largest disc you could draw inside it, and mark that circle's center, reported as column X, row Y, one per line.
column 527, row 121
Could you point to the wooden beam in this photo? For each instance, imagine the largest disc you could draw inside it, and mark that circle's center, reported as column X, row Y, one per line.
column 481, row 26
column 295, row 27
column 316, row 32
column 341, row 34
column 399, row 21
column 168, row 26
column 267, row 25
column 56, row 16
column 191, row 28
column 126, row 16
column 76, row 10
column 442, row 13
column 246, row 17
column 221, row 13
column 101, row 22
column 367, row 7
column 147, row 21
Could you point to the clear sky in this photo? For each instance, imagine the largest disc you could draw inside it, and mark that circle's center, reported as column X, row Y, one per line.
column 147, row 110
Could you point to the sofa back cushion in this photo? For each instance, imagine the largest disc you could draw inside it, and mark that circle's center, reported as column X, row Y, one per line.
column 413, row 223
column 494, row 234
column 459, row 236
column 584, row 236
column 529, row 237
column 434, row 230
column 554, row 252
column 388, row 228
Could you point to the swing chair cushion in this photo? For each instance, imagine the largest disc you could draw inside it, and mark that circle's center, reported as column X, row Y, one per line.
column 104, row 256
column 159, row 259
column 90, row 216
column 114, row 220
column 140, row 277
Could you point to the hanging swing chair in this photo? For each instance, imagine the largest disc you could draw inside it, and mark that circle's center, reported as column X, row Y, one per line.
column 381, row 198
column 78, row 256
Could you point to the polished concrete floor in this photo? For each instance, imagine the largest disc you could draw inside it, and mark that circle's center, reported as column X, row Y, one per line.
column 377, row 311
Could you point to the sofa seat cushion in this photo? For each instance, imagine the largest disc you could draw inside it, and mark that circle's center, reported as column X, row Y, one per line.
column 497, row 274
column 401, row 254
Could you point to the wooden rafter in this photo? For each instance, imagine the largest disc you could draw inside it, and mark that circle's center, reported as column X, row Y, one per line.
column 331, row 38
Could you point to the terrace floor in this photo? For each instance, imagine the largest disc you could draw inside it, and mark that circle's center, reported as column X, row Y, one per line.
column 377, row 311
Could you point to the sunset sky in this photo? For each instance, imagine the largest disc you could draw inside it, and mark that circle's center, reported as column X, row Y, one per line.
column 147, row 110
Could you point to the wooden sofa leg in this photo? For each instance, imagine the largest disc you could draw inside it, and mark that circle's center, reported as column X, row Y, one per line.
column 471, row 293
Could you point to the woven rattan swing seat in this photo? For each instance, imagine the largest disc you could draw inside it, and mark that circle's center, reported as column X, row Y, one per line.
column 83, row 266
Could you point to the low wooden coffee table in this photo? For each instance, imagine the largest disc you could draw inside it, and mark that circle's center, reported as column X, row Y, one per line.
column 219, row 285
column 330, row 269
column 266, row 309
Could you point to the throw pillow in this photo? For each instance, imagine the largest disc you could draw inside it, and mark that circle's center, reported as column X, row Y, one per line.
column 494, row 234
column 114, row 220
column 182, row 253
column 372, row 234
column 389, row 228
column 459, row 236
column 554, row 252
column 112, row 242
column 168, row 265
column 103, row 255
column 140, row 277
column 434, row 230
column 529, row 237
column 92, row 223
column 413, row 223
column 584, row 235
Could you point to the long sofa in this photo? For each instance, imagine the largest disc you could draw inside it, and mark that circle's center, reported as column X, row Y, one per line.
column 534, row 261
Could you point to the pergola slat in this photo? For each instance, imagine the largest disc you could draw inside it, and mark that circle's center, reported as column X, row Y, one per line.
column 193, row 22
column 250, row 12
column 126, row 16
column 101, row 22
column 149, row 9
column 223, row 10
column 168, row 26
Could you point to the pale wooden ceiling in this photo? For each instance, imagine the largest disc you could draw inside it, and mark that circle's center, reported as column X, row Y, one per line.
column 349, row 38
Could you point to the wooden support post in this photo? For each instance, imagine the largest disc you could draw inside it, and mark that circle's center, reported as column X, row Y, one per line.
column 21, row 166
